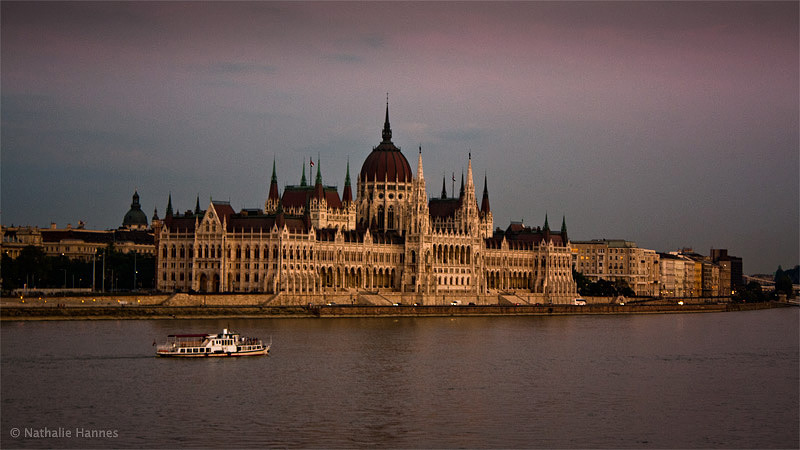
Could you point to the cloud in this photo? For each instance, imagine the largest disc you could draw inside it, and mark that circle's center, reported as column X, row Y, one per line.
column 237, row 67
column 344, row 58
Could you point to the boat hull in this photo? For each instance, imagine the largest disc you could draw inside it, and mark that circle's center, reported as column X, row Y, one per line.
column 261, row 352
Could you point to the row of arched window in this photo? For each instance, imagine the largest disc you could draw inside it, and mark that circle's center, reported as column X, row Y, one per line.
column 453, row 254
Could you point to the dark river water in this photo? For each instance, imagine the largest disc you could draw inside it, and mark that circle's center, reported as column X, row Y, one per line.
column 724, row 380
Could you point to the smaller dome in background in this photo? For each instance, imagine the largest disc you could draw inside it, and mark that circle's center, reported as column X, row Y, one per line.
column 135, row 218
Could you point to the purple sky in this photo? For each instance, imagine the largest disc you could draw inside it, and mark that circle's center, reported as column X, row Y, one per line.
column 669, row 124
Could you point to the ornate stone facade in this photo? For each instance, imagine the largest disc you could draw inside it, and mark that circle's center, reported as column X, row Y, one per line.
column 391, row 241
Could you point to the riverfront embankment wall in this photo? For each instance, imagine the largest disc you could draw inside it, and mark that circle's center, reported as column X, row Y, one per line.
column 61, row 311
column 376, row 298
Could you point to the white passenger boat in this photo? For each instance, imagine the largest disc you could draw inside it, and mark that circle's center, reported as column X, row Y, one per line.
column 227, row 343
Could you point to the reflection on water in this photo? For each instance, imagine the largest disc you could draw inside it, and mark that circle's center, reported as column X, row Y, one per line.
column 696, row 380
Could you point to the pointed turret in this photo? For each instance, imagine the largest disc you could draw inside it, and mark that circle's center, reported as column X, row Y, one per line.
column 387, row 129
column 303, row 178
column 155, row 213
column 444, row 187
column 419, row 165
column 546, row 229
column 319, row 192
column 564, row 229
column 197, row 209
column 470, row 183
column 169, row 206
column 485, row 201
column 461, row 192
column 469, row 187
column 273, row 185
column 347, row 195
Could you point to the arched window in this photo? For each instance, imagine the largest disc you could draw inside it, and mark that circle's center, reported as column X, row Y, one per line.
column 381, row 219
column 390, row 219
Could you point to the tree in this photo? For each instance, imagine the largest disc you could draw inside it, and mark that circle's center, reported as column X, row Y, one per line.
column 621, row 287
column 783, row 284
column 581, row 281
column 751, row 293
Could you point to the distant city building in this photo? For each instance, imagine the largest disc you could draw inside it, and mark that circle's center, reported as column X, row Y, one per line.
column 80, row 243
column 710, row 278
column 731, row 276
column 387, row 238
column 616, row 259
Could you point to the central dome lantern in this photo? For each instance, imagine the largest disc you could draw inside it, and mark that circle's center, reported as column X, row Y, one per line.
column 386, row 162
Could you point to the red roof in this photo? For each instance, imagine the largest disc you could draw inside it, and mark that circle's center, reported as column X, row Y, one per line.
column 386, row 162
column 223, row 209
column 174, row 223
column 443, row 207
column 298, row 196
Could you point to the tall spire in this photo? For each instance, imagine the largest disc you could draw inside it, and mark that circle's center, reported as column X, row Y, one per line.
column 274, row 197
column 564, row 229
column 387, row 129
column 546, row 225
column 470, row 183
column 319, row 191
column 485, row 202
column 347, row 195
column 318, row 180
column 444, row 187
column 169, row 206
column 197, row 209
column 461, row 192
column 420, row 175
column 303, row 178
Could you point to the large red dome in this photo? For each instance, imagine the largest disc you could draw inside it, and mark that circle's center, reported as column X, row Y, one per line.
column 386, row 162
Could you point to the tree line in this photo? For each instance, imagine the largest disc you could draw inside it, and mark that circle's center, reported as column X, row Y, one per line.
column 33, row 269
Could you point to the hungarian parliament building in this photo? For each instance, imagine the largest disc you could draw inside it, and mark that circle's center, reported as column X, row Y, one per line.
column 389, row 242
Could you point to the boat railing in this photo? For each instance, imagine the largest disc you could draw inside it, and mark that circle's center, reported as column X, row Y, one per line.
column 189, row 343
